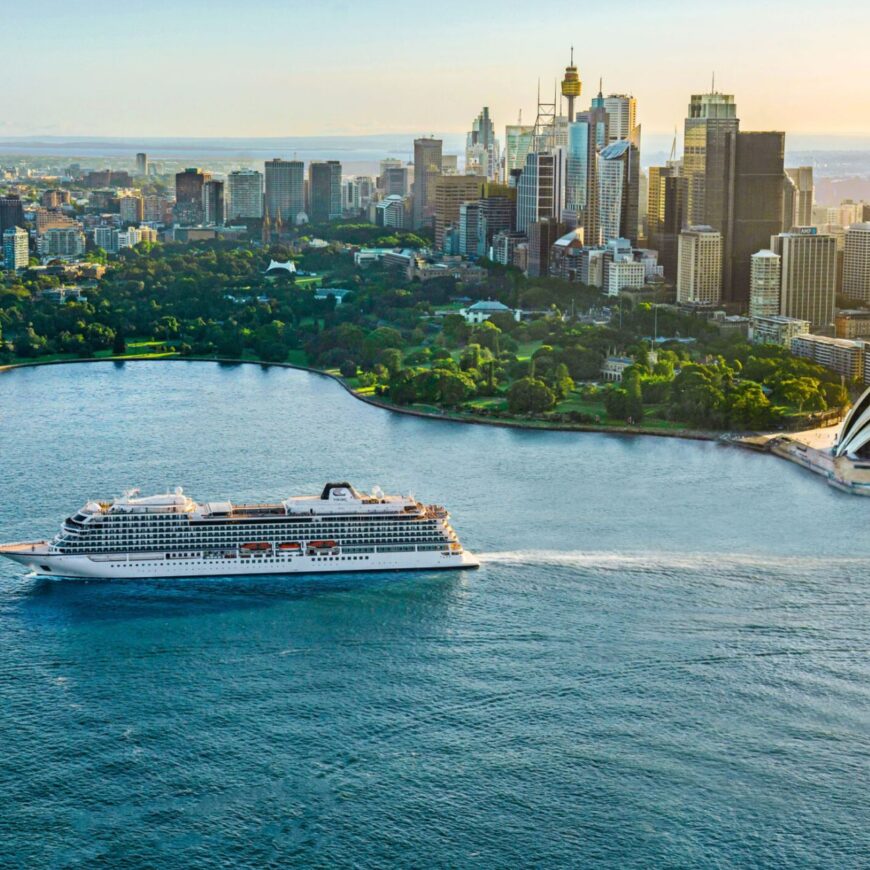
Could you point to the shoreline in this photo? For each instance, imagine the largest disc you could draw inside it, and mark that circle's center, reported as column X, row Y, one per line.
column 445, row 416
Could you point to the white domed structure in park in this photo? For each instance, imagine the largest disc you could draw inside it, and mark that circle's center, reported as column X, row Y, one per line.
column 275, row 267
column 854, row 440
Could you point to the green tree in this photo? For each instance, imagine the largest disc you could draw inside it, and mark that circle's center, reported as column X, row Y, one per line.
column 530, row 396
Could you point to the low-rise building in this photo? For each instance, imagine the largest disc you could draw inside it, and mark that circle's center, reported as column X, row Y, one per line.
column 623, row 272
column 777, row 329
column 838, row 354
column 65, row 243
column 853, row 323
column 614, row 368
column 485, row 309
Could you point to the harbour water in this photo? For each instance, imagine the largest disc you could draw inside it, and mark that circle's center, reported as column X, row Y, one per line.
column 663, row 660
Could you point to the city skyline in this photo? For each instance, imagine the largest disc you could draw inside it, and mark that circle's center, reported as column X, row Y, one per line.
column 437, row 77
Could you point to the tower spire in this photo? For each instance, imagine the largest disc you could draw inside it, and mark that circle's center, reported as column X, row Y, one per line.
column 571, row 86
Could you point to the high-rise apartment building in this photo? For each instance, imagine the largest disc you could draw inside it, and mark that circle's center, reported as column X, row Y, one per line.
column 11, row 212
column 856, row 262
column 450, row 191
column 155, row 208
column 141, row 163
column 16, row 248
column 324, row 191
column 755, row 210
column 699, row 267
column 808, row 275
column 213, row 205
column 798, row 198
column 427, row 167
column 764, row 284
column 244, row 195
column 621, row 117
column 618, row 191
column 131, row 209
column 188, row 195
column 285, row 189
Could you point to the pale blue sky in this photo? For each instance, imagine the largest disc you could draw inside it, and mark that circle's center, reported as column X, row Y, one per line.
column 270, row 68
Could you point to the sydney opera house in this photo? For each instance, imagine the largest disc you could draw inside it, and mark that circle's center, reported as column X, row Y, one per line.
column 854, row 440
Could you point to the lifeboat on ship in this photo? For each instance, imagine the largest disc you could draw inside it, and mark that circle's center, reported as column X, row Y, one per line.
column 322, row 548
column 289, row 545
column 256, row 546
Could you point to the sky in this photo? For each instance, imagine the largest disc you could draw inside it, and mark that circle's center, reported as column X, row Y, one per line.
column 353, row 67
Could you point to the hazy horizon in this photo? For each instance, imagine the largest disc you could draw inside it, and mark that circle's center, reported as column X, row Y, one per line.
column 205, row 69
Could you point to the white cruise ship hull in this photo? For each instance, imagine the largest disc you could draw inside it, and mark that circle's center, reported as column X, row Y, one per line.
column 136, row 566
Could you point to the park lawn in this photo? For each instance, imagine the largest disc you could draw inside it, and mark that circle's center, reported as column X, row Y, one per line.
column 575, row 402
column 489, row 403
column 308, row 281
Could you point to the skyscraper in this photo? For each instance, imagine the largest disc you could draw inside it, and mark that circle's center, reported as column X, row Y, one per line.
column 519, row 141
column 393, row 180
column 665, row 213
column 541, row 188
column 756, row 210
column 764, row 284
column 621, row 116
column 450, row 191
column 543, row 234
column 324, row 191
column 214, row 209
column 618, row 191
column 244, row 195
column 285, row 189
column 427, row 167
column 188, row 196
column 808, row 275
column 708, row 159
column 856, row 262
column 699, row 268
column 798, row 197
column 469, row 224
column 482, row 151
column 141, row 164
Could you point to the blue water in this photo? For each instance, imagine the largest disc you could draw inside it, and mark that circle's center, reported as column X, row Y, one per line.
column 663, row 661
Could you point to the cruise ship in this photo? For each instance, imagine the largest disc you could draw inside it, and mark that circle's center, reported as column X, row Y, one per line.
column 171, row 535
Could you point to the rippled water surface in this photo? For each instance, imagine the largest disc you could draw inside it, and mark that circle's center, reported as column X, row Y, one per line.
column 662, row 662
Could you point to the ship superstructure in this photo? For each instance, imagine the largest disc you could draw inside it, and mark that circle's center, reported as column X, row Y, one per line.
column 171, row 535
